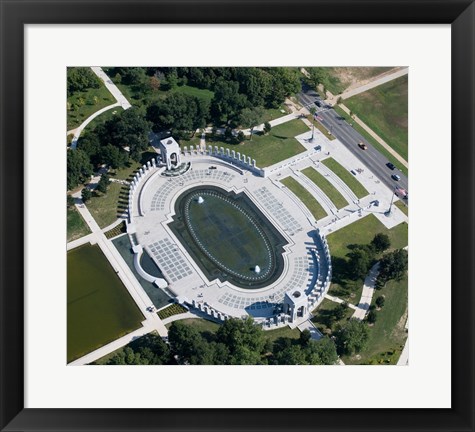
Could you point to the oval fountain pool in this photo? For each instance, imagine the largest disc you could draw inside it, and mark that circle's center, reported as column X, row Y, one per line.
column 228, row 236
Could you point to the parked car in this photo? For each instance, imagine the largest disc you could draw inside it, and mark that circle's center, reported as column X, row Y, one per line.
column 396, row 177
column 390, row 166
column 362, row 146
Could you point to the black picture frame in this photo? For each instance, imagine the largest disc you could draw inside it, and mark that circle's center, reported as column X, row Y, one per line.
column 460, row 14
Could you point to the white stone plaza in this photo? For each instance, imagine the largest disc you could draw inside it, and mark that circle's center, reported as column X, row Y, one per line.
column 306, row 273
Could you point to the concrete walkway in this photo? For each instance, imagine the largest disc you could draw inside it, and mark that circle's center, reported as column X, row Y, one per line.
column 404, row 358
column 113, row 89
column 314, row 332
column 367, row 293
column 340, row 301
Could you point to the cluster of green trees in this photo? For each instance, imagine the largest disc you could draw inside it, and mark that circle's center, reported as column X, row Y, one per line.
column 112, row 143
column 80, row 79
column 362, row 257
column 322, row 76
column 352, row 337
column 235, row 89
column 237, row 342
column 242, row 342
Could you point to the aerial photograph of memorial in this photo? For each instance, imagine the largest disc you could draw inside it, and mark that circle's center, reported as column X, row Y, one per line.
column 237, row 215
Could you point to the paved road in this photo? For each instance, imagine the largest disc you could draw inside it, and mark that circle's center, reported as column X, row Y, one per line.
column 349, row 137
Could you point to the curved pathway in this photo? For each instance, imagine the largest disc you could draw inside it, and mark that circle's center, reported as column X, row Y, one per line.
column 114, row 90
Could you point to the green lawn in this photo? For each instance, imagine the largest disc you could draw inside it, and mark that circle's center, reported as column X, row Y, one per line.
column 76, row 227
column 360, row 232
column 371, row 140
column 107, row 208
column 329, row 190
column 402, row 206
column 205, row 326
column 267, row 150
column 350, row 180
column 99, row 307
column 388, row 335
column 274, row 113
column 323, row 320
column 306, row 197
column 384, row 109
column 202, row 325
column 106, row 115
column 204, row 94
column 82, row 105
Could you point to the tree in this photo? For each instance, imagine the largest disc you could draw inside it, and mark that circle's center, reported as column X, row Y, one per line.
column 380, row 301
column 115, row 157
column 251, row 117
column 70, row 201
column 267, row 127
column 244, row 339
column 130, row 129
column 80, row 79
column 305, row 338
column 359, row 262
column 240, row 136
column 179, row 113
column 227, row 102
column 372, row 316
column 381, row 242
column 339, row 312
column 188, row 345
column 154, row 83
column 352, row 338
column 103, row 183
column 79, row 168
column 393, row 265
column 322, row 352
column 86, row 194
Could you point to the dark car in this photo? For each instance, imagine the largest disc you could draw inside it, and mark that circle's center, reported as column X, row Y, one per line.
column 318, row 103
column 390, row 166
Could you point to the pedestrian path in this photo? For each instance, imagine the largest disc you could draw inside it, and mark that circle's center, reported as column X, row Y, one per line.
column 114, row 90
column 367, row 293
column 314, row 332
column 340, row 301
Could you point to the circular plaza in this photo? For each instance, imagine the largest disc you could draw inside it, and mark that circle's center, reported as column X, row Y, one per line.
column 228, row 241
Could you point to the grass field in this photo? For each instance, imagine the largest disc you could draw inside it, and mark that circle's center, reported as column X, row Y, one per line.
column 267, row 150
column 384, row 110
column 82, row 105
column 360, row 232
column 76, row 227
column 329, row 190
column 204, row 94
column 99, row 307
column 357, row 188
column 371, row 140
column 306, row 197
column 208, row 327
column 106, row 208
column 388, row 335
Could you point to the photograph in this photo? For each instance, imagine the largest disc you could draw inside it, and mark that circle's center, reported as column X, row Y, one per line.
column 237, row 215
